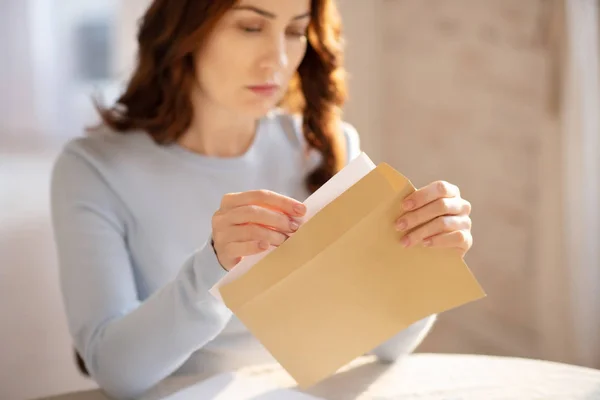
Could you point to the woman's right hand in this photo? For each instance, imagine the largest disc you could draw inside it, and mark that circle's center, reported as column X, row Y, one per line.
column 249, row 222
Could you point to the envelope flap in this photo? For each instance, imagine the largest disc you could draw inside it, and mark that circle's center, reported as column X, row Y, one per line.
column 396, row 180
column 315, row 235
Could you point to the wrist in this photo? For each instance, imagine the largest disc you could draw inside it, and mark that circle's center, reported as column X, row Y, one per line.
column 212, row 245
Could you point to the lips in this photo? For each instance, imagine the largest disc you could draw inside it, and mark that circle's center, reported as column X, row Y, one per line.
column 264, row 90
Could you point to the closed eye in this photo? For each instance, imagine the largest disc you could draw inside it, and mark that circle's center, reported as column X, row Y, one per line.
column 297, row 33
column 250, row 29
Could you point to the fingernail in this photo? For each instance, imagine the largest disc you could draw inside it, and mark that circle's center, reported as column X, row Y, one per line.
column 405, row 241
column 401, row 225
column 294, row 226
column 300, row 209
column 427, row 242
column 408, row 205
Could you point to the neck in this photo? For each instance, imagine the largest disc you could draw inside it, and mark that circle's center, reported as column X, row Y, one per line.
column 216, row 132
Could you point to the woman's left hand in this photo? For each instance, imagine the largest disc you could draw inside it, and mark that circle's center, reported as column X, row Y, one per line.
column 439, row 217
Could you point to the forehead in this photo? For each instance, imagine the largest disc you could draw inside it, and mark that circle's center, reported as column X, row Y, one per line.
column 280, row 8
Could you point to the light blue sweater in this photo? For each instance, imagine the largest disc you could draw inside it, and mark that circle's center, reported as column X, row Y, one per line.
column 132, row 220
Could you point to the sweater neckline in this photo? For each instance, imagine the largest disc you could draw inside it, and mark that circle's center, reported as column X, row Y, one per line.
column 249, row 156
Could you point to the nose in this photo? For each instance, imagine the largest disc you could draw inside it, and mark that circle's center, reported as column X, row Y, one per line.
column 276, row 56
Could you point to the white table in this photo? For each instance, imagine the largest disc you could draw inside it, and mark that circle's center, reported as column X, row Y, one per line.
column 420, row 376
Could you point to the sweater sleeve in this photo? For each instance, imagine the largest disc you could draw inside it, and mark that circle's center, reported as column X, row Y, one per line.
column 128, row 346
column 407, row 340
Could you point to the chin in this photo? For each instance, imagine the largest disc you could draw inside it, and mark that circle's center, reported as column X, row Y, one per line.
column 257, row 110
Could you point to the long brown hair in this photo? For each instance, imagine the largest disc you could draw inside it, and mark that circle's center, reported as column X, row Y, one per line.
column 157, row 99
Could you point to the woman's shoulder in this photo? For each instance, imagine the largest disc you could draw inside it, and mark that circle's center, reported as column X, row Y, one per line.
column 103, row 145
column 352, row 140
column 96, row 157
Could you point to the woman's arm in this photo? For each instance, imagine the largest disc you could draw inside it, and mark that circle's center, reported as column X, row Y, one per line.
column 128, row 346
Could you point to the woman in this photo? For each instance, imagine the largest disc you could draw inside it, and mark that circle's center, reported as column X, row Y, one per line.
column 230, row 120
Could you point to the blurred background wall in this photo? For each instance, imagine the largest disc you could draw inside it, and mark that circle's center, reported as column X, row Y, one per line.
column 498, row 96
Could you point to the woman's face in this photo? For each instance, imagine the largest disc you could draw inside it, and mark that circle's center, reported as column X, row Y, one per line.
column 248, row 60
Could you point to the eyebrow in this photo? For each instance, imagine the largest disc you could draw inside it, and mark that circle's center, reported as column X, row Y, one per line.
column 268, row 14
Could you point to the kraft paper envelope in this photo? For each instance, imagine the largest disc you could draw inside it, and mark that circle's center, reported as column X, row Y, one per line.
column 353, row 172
column 343, row 284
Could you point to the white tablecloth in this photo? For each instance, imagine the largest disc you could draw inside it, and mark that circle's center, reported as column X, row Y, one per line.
column 420, row 376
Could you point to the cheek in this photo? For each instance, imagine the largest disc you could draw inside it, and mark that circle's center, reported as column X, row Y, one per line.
column 220, row 67
column 296, row 54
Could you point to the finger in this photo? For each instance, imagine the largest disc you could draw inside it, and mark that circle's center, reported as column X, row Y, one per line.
column 264, row 198
column 259, row 215
column 243, row 249
column 439, row 207
column 252, row 232
column 233, row 251
column 439, row 225
column 461, row 239
column 429, row 193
